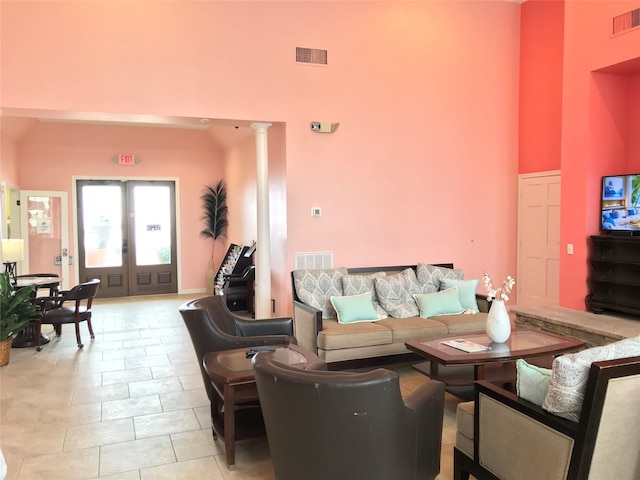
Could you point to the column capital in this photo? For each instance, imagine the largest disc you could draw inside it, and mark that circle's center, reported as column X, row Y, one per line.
column 261, row 126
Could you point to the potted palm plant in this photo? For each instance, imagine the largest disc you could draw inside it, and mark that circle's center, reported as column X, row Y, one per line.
column 215, row 218
column 16, row 310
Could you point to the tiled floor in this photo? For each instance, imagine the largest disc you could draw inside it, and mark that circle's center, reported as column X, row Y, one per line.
column 130, row 405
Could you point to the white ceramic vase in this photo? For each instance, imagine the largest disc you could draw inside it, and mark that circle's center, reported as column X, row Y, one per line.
column 498, row 322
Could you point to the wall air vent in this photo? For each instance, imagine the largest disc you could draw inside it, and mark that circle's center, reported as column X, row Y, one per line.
column 311, row 55
column 312, row 261
column 626, row 21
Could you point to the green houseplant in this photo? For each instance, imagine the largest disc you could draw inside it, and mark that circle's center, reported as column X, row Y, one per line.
column 16, row 310
column 215, row 218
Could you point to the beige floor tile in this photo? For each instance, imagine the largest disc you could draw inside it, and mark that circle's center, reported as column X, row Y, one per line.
column 130, row 407
column 204, row 416
column 191, row 382
column 196, row 444
column 125, row 376
column 75, row 415
column 137, row 454
column 33, row 443
column 189, row 368
column 165, row 423
column 112, row 365
column 96, row 434
column 131, row 475
column 148, row 361
column 252, row 461
column 206, row 467
column 155, row 387
column 73, row 465
column 124, row 353
column 96, row 394
column 184, row 399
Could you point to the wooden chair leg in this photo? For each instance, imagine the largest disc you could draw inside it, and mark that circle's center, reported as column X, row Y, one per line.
column 93, row 337
column 58, row 329
column 80, row 345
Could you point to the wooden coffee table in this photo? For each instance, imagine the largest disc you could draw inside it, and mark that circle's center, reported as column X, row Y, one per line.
column 495, row 364
column 233, row 380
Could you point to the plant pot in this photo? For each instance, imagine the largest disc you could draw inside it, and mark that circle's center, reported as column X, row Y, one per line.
column 5, row 351
column 498, row 322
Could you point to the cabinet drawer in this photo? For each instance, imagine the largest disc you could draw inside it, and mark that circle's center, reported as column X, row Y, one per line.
column 620, row 249
column 615, row 293
column 616, row 272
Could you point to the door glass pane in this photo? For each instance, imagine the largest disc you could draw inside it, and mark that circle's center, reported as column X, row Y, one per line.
column 45, row 240
column 102, row 217
column 152, row 224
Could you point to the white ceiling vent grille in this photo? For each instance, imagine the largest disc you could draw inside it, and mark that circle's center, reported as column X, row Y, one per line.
column 311, row 55
column 312, row 261
column 626, row 21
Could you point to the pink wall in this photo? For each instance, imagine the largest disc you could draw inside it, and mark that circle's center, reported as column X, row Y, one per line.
column 52, row 153
column 423, row 166
column 540, row 115
column 592, row 138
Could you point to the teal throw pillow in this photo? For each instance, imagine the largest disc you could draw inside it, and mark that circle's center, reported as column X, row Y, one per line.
column 532, row 382
column 466, row 291
column 444, row 302
column 354, row 308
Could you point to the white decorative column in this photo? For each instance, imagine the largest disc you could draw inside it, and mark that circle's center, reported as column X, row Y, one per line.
column 263, row 248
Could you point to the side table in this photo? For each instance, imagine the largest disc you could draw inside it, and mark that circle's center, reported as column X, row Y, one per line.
column 233, row 380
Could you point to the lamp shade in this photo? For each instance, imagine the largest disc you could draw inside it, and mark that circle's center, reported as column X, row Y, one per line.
column 12, row 250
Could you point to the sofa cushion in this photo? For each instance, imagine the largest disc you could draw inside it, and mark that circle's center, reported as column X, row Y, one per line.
column 464, row 427
column 336, row 335
column 465, row 323
column 429, row 276
column 358, row 284
column 316, row 287
column 532, row 383
column 354, row 308
column 569, row 375
column 466, row 291
column 413, row 328
column 395, row 293
column 444, row 302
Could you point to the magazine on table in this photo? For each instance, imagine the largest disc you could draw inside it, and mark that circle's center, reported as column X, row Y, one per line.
column 466, row 345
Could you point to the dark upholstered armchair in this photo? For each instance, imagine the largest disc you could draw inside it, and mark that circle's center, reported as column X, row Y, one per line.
column 213, row 327
column 344, row 426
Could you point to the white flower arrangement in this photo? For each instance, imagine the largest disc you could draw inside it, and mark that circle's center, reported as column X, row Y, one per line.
column 501, row 293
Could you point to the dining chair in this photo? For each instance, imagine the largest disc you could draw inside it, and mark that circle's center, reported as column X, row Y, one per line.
column 56, row 313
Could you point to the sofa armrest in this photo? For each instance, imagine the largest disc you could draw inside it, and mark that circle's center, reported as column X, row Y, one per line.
column 270, row 326
column 307, row 323
column 511, row 436
column 483, row 303
column 425, row 408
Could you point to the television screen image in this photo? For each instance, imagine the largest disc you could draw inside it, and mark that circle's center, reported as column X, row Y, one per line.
column 620, row 210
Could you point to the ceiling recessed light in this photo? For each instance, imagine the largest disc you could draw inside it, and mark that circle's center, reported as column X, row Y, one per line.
column 204, row 121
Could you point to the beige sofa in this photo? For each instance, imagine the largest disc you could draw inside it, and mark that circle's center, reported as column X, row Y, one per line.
column 317, row 328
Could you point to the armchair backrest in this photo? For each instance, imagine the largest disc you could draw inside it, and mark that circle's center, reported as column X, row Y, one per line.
column 83, row 291
column 608, row 442
column 339, row 425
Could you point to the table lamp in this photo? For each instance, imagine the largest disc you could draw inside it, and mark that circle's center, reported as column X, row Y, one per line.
column 12, row 252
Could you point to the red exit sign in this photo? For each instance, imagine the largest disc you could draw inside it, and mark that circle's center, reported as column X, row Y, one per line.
column 126, row 159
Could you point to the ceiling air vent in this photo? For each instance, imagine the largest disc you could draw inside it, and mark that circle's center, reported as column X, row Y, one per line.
column 311, row 55
column 626, row 21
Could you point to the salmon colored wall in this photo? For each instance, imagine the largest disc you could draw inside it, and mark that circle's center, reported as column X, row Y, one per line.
column 52, row 153
column 424, row 164
column 589, row 146
column 634, row 124
column 540, row 114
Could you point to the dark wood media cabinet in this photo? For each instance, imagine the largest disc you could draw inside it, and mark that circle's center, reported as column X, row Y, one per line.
column 615, row 278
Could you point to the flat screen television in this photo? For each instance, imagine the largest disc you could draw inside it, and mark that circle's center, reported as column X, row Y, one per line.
column 620, row 205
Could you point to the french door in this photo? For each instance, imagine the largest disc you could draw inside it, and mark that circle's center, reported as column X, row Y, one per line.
column 127, row 236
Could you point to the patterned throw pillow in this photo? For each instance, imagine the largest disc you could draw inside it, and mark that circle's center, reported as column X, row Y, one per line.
column 429, row 276
column 395, row 293
column 359, row 284
column 316, row 287
column 570, row 372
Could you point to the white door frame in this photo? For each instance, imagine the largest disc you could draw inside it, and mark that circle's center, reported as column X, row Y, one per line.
column 64, row 229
